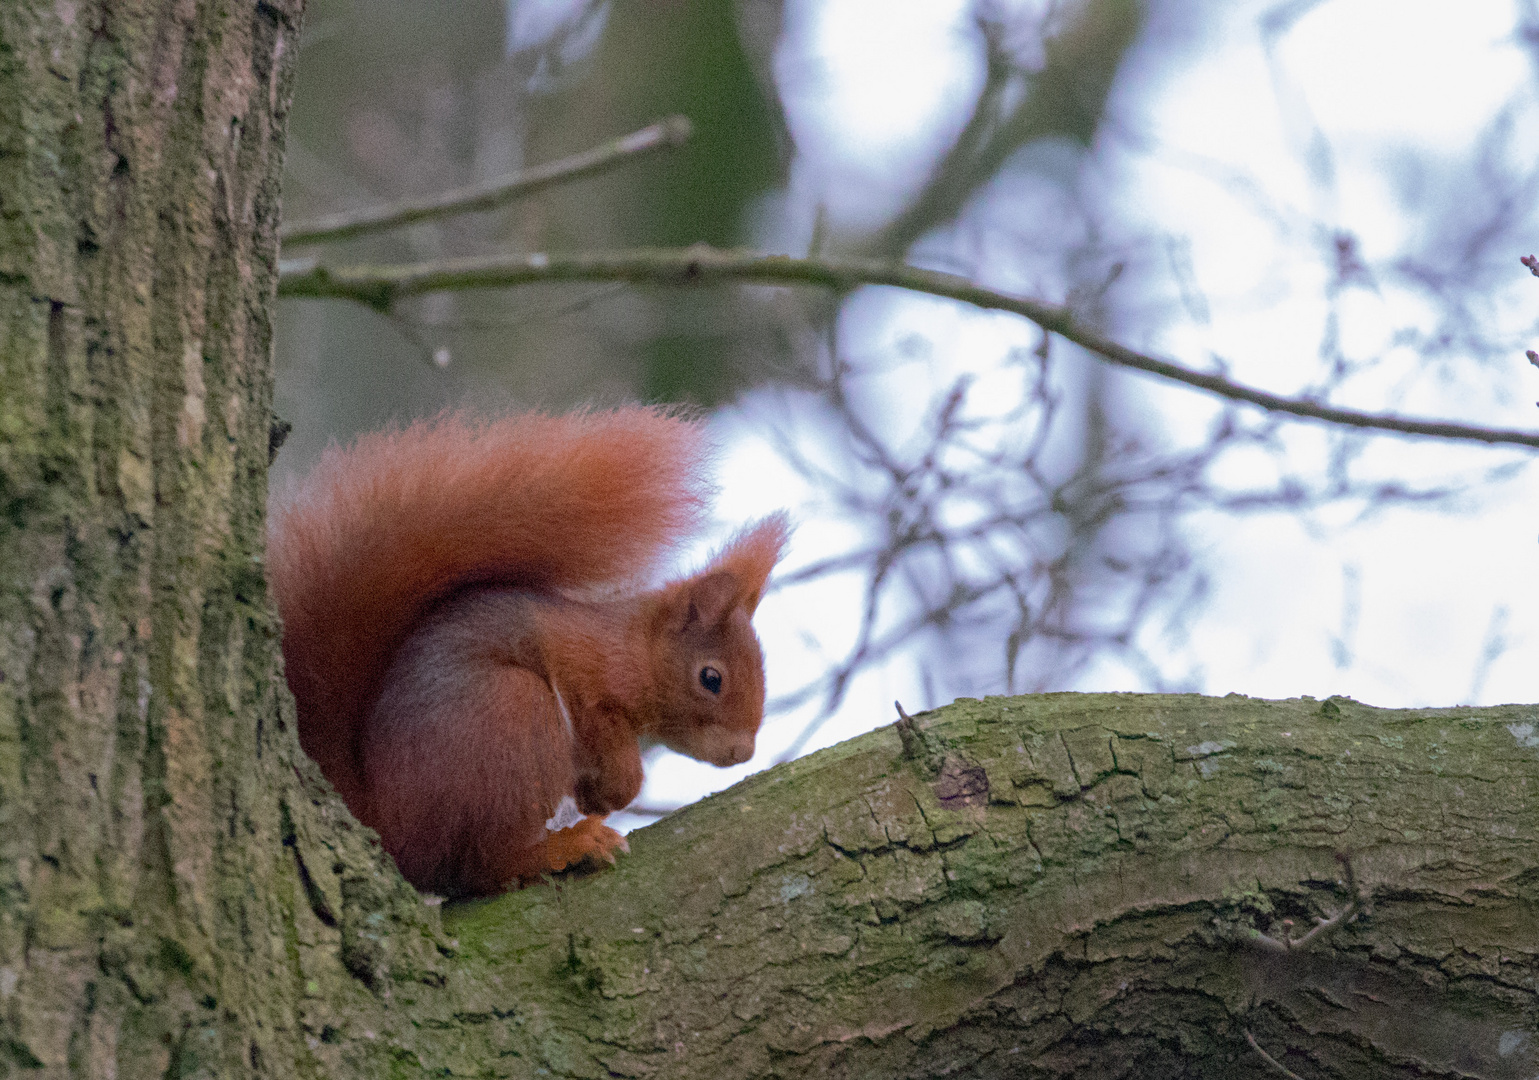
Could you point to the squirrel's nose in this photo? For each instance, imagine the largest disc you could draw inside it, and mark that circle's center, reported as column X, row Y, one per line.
column 739, row 750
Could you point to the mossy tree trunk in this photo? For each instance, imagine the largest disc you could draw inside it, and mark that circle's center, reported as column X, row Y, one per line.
column 1055, row 886
column 154, row 808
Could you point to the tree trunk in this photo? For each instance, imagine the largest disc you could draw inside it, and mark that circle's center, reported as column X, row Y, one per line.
column 158, row 826
column 1065, row 885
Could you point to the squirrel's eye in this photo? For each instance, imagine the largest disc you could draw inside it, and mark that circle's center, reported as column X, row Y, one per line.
column 710, row 678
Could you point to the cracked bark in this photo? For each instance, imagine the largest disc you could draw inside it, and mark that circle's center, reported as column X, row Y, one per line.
column 1077, row 892
column 1066, row 885
column 153, row 802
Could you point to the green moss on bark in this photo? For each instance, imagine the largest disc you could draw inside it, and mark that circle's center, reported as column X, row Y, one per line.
column 1077, row 889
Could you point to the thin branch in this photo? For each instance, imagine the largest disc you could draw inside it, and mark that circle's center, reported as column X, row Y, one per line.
column 381, row 286
column 1269, row 1059
column 651, row 811
column 673, row 131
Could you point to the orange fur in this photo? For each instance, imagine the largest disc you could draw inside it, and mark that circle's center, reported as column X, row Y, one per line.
column 466, row 644
column 589, row 839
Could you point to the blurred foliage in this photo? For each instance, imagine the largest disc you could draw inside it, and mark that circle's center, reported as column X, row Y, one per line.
column 656, row 58
column 684, row 368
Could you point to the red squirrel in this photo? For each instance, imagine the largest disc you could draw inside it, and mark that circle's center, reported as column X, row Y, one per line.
column 470, row 647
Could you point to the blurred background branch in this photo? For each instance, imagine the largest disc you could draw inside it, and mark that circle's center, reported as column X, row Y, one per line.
column 382, row 287
column 1326, row 199
column 490, row 194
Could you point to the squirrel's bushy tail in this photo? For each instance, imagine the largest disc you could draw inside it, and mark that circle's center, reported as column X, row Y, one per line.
column 384, row 528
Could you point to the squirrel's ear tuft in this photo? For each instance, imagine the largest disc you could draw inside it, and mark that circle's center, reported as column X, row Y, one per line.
column 734, row 579
column 752, row 554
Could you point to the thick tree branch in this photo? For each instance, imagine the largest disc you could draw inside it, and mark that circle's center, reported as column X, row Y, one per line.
column 1075, row 892
column 380, row 287
column 673, row 131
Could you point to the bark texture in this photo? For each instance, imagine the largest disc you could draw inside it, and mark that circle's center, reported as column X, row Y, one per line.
column 158, row 826
column 1068, row 885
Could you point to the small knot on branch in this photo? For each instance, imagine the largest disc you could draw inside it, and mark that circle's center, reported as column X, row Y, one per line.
column 916, row 746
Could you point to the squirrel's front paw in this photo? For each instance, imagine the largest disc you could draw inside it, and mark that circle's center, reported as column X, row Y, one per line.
column 610, row 789
column 588, row 840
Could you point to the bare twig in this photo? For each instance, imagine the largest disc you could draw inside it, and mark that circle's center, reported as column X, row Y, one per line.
column 1355, row 907
column 673, row 131
column 1533, row 268
column 380, row 287
column 1496, row 645
column 651, row 811
column 1269, row 1059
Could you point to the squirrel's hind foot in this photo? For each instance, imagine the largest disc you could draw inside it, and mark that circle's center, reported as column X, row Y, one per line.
column 590, row 840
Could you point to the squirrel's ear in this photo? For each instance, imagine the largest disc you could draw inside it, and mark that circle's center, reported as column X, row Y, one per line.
column 750, row 557
column 712, row 596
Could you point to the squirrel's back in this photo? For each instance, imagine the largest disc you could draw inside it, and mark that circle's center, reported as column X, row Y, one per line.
column 382, row 530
